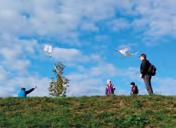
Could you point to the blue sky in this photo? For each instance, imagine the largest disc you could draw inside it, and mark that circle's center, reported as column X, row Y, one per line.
column 84, row 34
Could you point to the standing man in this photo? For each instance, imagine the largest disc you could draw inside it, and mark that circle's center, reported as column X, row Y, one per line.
column 147, row 71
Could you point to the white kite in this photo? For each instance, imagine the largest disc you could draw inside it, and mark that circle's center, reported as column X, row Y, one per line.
column 126, row 52
column 48, row 49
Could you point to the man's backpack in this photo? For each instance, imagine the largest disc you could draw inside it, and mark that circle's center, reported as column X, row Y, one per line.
column 152, row 70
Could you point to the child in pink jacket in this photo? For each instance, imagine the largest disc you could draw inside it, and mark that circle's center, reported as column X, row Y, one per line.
column 109, row 88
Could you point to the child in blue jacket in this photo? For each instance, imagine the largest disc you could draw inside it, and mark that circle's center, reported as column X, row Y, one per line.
column 24, row 93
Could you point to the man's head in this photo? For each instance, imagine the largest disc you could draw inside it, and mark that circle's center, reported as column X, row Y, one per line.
column 143, row 56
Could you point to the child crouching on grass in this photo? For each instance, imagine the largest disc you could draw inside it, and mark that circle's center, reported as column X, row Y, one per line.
column 134, row 89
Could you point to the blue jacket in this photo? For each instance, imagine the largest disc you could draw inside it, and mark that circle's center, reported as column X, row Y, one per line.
column 23, row 93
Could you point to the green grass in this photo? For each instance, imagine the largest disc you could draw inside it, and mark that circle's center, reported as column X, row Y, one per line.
column 89, row 112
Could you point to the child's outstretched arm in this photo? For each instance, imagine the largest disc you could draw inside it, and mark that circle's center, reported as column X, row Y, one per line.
column 29, row 91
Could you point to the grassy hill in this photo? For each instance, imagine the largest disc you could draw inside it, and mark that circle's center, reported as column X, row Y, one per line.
column 89, row 112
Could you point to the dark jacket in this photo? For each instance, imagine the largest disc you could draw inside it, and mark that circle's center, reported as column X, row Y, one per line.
column 145, row 65
column 29, row 91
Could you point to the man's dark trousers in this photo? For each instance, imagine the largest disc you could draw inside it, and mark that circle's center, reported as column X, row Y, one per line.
column 147, row 81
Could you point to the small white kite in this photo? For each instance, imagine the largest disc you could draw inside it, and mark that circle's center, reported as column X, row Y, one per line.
column 126, row 52
column 48, row 49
